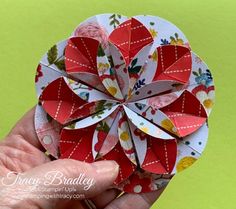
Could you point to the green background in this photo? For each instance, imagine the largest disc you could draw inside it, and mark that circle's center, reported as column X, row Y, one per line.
column 29, row 27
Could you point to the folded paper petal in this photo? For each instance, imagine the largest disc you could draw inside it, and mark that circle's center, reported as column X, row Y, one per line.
column 186, row 113
column 80, row 60
column 126, row 167
column 146, row 126
column 107, row 71
column 174, row 63
column 125, row 138
column 130, row 37
column 81, row 53
column 161, row 156
column 139, row 139
column 45, row 75
column 77, row 143
column 105, row 136
column 59, row 100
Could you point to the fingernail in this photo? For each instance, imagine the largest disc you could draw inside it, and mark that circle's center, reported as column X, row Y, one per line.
column 106, row 167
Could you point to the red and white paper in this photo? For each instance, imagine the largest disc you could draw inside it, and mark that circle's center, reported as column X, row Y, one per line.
column 129, row 90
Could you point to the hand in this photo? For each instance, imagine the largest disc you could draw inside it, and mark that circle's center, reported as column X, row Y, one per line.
column 21, row 152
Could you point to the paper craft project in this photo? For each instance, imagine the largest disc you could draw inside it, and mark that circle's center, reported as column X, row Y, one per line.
column 129, row 90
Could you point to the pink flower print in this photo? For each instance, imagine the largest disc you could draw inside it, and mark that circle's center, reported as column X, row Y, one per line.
column 93, row 30
column 161, row 101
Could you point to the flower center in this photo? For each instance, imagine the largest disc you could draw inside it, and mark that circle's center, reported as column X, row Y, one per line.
column 208, row 103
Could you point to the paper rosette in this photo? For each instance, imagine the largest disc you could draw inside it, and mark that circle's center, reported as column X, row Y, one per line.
column 129, row 90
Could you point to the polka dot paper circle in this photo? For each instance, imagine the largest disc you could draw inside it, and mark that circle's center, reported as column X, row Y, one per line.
column 129, row 90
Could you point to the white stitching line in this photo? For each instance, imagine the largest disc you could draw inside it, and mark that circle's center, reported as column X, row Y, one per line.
column 150, row 163
column 58, row 97
column 73, row 105
column 183, row 103
column 175, row 115
column 166, row 156
column 136, row 27
column 192, row 126
column 73, row 151
column 88, row 155
column 72, row 108
column 127, row 24
column 121, row 175
column 162, row 61
column 133, row 42
column 176, row 53
column 188, row 55
column 124, row 25
column 72, row 46
column 177, row 71
column 78, row 63
column 200, row 110
column 90, row 57
column 68, row 142
column 144, row 39
column 58, row 109
column 59, row 89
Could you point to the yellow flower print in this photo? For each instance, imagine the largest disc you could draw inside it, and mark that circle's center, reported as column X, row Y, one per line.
column 129, row 93
column 154, row 56
column 169, row 126
column 206, row 98
column 153, row 32
column 124, row 136
column 176, row 40
column 185, row 163
column 208, row 103
column 102, row 66
column 144, row 129
column 71, row 81
column 112, row 90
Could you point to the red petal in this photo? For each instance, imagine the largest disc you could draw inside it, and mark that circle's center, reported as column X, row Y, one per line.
column 125, row 165
column 130, row 37
column 187, row 113
column 81, row 55
column 161, row 156
column 59, row 101
column 77, row 144
column 174, row 63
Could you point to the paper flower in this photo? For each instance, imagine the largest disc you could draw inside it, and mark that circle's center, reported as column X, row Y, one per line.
column 129, row 90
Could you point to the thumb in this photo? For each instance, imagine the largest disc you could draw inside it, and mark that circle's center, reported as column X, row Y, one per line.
column 61, row 180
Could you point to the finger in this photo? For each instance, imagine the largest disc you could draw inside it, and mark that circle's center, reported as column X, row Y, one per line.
column 25, row 129
column 21, row 149
column 102, row 200
column 137, row 201
column 16, row 154
column 96, row 178
column 71, row 204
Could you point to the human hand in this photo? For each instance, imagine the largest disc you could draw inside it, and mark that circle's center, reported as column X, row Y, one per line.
column 22, row 153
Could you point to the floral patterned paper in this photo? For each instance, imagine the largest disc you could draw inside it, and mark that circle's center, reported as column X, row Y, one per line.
column 129, row 90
